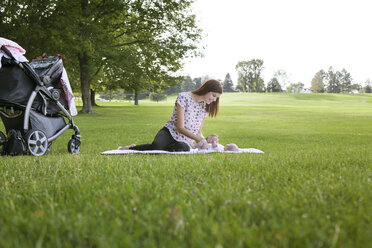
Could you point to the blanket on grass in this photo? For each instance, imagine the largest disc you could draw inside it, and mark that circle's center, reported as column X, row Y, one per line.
column 192, row 151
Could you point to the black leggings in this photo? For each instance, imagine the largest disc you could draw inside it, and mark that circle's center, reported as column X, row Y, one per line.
column 163, row 141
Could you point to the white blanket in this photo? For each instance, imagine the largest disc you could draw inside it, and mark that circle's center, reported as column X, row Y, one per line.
column 192, row 151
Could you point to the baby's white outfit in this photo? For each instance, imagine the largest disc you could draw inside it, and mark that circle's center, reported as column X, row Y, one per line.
column 218, row 148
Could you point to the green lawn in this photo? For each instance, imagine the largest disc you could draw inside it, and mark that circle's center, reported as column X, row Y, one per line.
column 311, row 188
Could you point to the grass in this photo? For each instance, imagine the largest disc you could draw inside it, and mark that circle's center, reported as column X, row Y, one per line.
column 311, row 188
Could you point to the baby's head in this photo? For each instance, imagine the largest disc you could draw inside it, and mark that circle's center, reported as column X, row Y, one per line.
column 231, row 147
column 213, row 139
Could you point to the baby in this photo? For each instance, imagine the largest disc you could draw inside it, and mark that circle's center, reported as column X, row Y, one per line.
column 213, row 145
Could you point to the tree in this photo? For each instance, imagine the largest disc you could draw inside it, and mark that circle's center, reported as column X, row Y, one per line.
column 187, row 84
column 137, row 74
column 368, row 87
column 333, row 81
column 295, row 87
column 198, row 82
column 227, row 84
column 249, row 75
column 299, row 86
column 345, row 81
column 162, row 33
column 156, row 96
column 239, row 88
column 205, row 78
column 273, row 85
column 317, row 84
column 282, row 77
column 174, row 89
column 356, row 87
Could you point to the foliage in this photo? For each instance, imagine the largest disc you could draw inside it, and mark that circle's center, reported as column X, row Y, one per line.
column 333, row 82
column 368, row 89
column 134, row 42
column 282, row 77
column 273, row 85
column 198, row 82
column 156, row 96
column 311, row 188
column 249, row 75
column 187, row 84
column 345, row 81
column 239, row 88
column 295, row 87
column 317, row 84
column 173, row 90
column 356, row 87
column 338, row 82
column 368, row 86
column 206, row 78
column 121, row 94
column 228, row 85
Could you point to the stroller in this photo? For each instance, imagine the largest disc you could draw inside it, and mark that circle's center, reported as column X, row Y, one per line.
column 33, row 106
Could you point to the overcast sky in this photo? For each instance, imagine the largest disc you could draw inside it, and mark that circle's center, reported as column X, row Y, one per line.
column 298, row 36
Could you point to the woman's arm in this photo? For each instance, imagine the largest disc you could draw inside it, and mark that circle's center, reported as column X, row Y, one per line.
column 181, row 125
column 201, row 128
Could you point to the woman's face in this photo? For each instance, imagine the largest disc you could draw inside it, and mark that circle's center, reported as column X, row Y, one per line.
column 211, row 97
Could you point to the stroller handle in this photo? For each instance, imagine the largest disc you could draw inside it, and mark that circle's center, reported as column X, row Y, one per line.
column 30, row 72
column 7, row 52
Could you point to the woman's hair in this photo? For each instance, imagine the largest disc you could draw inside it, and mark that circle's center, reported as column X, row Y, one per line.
column 211, row 85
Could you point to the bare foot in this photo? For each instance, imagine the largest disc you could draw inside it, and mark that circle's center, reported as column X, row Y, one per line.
column 125, row 147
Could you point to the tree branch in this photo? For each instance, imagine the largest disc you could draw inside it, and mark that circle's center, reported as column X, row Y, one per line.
column 95, row 74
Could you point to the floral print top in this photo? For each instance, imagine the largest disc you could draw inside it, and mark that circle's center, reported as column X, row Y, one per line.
column 194, row 115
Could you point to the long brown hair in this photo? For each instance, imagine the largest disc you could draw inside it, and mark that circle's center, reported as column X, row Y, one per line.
column 211, row 85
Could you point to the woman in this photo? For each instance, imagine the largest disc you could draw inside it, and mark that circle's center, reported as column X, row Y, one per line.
column 185, row 126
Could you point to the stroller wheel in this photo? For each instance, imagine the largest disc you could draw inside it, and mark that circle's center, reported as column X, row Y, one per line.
column 73, row 146
column 37, row 142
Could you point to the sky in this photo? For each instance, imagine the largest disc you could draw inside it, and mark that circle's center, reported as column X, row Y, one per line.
column 298, row 36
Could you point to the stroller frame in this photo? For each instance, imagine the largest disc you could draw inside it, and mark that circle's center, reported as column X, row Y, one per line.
column 32, row 137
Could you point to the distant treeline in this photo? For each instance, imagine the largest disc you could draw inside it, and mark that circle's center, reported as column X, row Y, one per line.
column 250, row 79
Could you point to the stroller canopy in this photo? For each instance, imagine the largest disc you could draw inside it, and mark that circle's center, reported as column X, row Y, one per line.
column 49, row 69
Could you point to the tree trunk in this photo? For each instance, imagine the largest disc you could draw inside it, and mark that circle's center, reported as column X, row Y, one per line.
column 136, row 96
column 85, row 84
column 93, row 97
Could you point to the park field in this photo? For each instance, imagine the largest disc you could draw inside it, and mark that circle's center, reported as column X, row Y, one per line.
column 311, row 188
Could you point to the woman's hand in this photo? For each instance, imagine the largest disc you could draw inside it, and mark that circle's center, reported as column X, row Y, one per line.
column 199, row 137
column 202, row 144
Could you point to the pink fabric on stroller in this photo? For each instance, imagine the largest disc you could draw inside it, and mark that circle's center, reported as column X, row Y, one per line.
column 16, row 50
